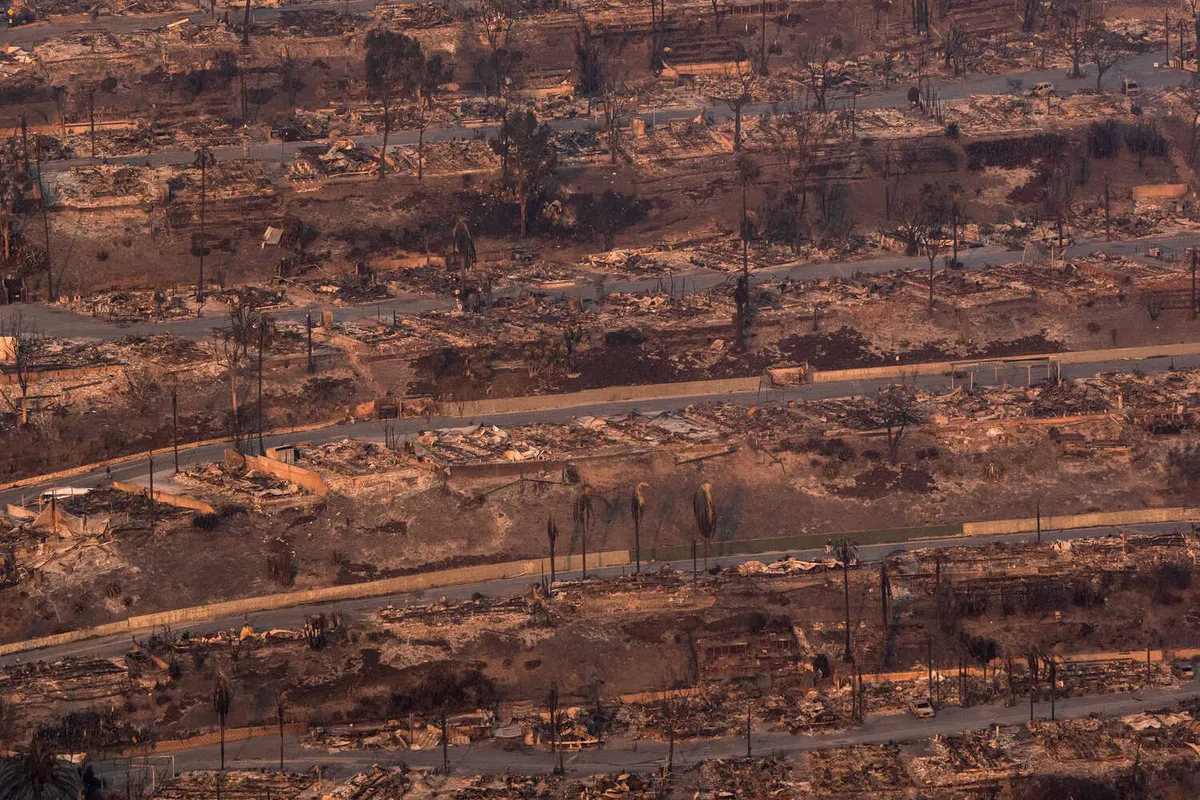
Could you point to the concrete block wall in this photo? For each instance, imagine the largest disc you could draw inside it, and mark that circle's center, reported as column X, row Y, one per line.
column 785, row 375
column 177, row 500
column 612, row 394
column 1096, row 519
column 304, row 478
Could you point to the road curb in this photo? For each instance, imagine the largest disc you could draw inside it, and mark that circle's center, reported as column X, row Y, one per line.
column 115, row 461
column 611, row 558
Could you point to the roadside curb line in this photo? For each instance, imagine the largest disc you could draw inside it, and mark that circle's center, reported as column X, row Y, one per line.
column 329, row 594
column 469, row 409
column 83, row 469
column 611, row 558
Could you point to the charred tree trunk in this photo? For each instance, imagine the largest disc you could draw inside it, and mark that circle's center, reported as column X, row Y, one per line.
column 387, row 130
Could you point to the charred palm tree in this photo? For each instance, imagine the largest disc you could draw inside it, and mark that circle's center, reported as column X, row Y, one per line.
column 583, row 514
column 706, row 518
column 38, row 774
column 885, row 595
column 222, row 698
column 552, row 538
column 203, row 160
column 464, row 252
column 637, row 509
column 846, row 551
column 280, row 713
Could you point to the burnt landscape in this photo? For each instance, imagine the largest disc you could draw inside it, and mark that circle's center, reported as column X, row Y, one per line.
column 573, row 400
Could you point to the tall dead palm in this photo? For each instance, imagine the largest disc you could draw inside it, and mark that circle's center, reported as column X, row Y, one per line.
column 582, row 513
column 552, row 538
column 464, row 251
column 706, row 518
column 247, row 327
column 38, row 774
column 222, row 698
column 637, row 509
column 203, row 160
column 846, row 551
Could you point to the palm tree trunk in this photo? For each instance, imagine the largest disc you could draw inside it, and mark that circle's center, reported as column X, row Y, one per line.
column 637, row 544
column 387, row 129
column 421, row 154
column 931, row 286
column 745, row 233
column 848, row 656
column 261, row 334
column 237, row 428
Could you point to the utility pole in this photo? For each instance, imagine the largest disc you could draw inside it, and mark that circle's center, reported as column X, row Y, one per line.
column 1167, row 45
column 862, row 699
column 762, row 67
column 1194, row 310
column 150, row 460
column 203, row 192
column 671, row 747
column 1107, row 213
column 279, row 713
column 445, row 744
column 203, row 156
column 92, row 117
column 1039, row 520
column 24, row 142
column 929, row 660
column 175, row 425
column 748, row 751
column 308, row 323
column 1053, row 681
column 262, row 333
column 45, row 220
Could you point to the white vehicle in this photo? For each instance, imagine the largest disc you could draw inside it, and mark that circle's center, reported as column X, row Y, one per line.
column 1130, row 87
column 922, row 709
column 63, row 493
column 1042, row 89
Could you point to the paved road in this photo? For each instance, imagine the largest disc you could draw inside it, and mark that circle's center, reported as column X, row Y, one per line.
column 373, row 431
column 353, row 610
column 1140, row 67
column 67, row 324
column 28, row 36
column 647, row 756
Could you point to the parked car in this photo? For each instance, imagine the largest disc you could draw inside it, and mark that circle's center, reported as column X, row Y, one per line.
column 1184, row 670
column 1042, row 89
column 922, row 709
column 1130, row 87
